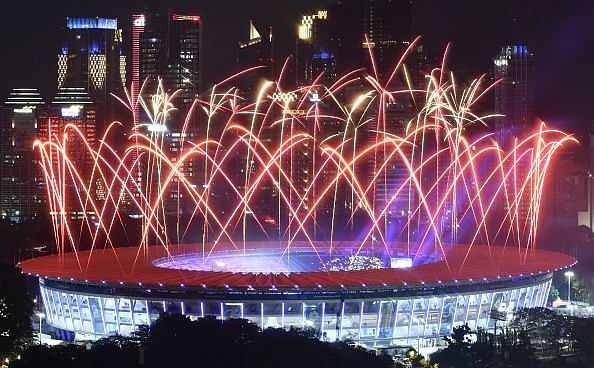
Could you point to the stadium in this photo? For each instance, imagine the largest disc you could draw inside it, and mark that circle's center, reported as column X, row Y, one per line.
column 377, row 296
column 443, row 220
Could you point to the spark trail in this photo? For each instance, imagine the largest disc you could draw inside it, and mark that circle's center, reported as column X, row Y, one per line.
column 282, row 165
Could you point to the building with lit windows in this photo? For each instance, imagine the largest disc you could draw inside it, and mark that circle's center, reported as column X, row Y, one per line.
column 345, row 37
column 376, row 300
column 514, row 94
column 313, row 55
column 515, row 104
column 90, row 56
column 167, row 45
column 71, row 106
column 385, row 23
column 256, row 51
column 21, row 182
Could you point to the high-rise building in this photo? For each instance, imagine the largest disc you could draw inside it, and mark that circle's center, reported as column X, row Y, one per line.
column 567, row 191
column 514, row 93
column 21, row 181
column 313, row 56
column 90, row 56
column 342, row 39
column 358, row 25
column 257, row 51
column 586, row 216
column 515, row 104
column 71, row 106
column 167, row 46
column 166, row 49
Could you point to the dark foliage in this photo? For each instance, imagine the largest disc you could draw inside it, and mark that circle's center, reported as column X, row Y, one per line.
column 508, row 349
column 177, row 341
column 16, row 309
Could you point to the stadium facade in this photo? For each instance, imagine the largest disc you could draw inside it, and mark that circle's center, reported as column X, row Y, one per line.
column 414, row 306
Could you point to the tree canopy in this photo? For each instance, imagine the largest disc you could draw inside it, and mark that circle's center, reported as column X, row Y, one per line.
column 16, row 309
column 175, row 340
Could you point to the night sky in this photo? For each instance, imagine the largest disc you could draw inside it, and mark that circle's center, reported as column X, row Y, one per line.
column 559, row 33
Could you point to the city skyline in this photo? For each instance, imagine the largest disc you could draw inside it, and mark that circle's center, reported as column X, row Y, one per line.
column 558, row 77
column 382, row 173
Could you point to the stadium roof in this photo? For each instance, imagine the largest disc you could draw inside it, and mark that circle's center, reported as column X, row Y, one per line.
column 133, row 266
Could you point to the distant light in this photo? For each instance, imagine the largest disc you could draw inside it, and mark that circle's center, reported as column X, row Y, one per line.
column 500, row 62
column 401, row 262
column 73, row 111
column 569, row 274
column 139, row 22
column 24, row 110
column 285, row 97
column 314, row 97
column 157, row 128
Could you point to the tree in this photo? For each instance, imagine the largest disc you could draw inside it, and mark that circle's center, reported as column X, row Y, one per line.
column 554, row 295
column 583, row 334
column 458, row 353
column 544, row 326
column 416, row 360
column 114, row 352
column 69, row 356
column 509, row 349
column 175, row 340
column 515, row 349
column 16, row 310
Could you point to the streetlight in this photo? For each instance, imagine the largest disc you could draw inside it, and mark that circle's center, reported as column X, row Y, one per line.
column 40, row 315
column 569, row 275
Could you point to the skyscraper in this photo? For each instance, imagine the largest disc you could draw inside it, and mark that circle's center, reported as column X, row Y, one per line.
column 515, row 102
column 514, row 94
column 21, row 191
column 90, row 56
column 166, row 49
column 257, row 51
column 343, row 38
column 167, row 45
column 71, row 106
column 313, row 56
column 385, row 23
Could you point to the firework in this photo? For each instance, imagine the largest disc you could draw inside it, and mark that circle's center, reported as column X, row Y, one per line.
column 386, row 163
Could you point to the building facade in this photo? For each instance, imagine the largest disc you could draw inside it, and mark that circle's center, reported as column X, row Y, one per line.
column 356, row 26
column 256, row 51
column 166, row 46
column 313, row 55
column 411, row 304
column 72, row 112
column 90, row 56
column 514, row 93
column 417, row 317
column 22, row 194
